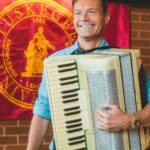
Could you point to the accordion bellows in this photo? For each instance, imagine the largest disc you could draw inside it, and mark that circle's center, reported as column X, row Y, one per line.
column 79, row 84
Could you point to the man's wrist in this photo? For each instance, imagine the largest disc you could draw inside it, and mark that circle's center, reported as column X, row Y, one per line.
column 132, row 121
column 135, row 122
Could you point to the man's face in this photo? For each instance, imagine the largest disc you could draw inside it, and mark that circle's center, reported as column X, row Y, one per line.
column 89, row 19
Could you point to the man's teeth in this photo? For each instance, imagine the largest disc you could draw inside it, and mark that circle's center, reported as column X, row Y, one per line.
column 86, row 26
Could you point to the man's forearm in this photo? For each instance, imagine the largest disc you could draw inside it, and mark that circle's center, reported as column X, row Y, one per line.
column 37, row 132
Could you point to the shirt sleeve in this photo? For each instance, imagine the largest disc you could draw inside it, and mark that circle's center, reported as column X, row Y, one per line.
column 41, row 106
column 148, row 89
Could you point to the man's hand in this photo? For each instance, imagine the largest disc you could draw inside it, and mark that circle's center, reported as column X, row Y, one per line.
column 113, row 120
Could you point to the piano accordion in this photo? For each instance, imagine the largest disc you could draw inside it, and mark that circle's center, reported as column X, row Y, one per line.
column 79, row 84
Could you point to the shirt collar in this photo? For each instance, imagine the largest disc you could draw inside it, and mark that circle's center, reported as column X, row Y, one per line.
column 103, row 43
column 77, row 48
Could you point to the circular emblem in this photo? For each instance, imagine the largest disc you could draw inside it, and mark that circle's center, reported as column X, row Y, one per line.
column 29, row 32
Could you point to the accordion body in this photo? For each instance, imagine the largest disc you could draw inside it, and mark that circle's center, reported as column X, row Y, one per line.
column 78, row 85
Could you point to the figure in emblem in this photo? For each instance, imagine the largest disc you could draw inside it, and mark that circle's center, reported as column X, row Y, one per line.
column 36, row 52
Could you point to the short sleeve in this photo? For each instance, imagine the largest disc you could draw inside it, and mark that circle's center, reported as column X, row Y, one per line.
column 41, row 106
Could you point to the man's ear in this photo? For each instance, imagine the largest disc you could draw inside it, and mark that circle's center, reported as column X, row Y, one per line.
column 107, row 18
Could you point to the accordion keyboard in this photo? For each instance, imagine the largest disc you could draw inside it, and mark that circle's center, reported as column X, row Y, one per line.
column 69, row 129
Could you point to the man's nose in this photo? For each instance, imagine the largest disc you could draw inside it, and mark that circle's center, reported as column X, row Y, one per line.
column 84, row 16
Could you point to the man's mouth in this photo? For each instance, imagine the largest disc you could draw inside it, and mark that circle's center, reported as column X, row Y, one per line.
column 86, row 25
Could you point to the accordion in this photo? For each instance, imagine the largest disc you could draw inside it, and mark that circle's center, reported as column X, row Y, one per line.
column 79, row 84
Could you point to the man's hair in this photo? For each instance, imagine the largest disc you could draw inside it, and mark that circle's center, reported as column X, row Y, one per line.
column 103, row 2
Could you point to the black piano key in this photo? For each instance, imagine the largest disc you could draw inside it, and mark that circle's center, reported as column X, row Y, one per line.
column 70, row 95
column 66, row 65
column 77, row 142
column 74, row 130
column 70, row 91
column 83, row 148
column 68, row 78
column 72, row 113
column 73, row 121
column 70, row 100
column 73, row 126
column 70, row 82
column 72, row 108
column 76, row 138
column 66, row 70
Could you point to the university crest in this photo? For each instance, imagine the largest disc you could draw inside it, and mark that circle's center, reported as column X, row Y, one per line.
column 29, row 32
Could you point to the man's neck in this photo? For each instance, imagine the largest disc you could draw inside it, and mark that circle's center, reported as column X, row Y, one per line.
column 89, row 44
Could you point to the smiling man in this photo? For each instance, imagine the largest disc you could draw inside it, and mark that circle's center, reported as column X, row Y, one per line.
column 90, row 17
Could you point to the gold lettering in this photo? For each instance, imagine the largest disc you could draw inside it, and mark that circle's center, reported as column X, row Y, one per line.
column 29, row 10
column 1, row 67
column 38, row 20
column 6, row 83
column 8, row 20
column 15, row 90
column 67, row 23
column 13, row 72
column 55, row 15
column 24, row 94
column 32, row 85
column 67, row 44
column 43, row 10
column 73, row 36
column 2, row 32
column 18, row 13
column 2, row 72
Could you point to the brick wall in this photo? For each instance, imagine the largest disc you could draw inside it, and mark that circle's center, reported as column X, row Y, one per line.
column 14, row 134
column 140, row 32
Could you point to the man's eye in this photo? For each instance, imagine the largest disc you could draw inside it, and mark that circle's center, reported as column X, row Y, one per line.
column 92, row 12
column 77, row 13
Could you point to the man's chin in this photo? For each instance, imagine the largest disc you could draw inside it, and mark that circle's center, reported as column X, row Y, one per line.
column 87, row 36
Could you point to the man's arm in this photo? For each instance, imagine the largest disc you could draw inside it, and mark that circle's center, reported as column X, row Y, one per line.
column 38, row 130
column 116, row 120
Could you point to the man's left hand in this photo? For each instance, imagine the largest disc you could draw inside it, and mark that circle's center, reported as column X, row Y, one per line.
column 113, row 120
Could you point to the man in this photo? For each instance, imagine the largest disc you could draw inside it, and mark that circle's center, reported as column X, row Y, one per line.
column 90, row 17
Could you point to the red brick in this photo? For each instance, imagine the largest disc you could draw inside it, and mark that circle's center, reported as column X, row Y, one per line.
column 23, row 139
column 50, row 130
column 25, row 122
column 1, row 130
column 145, row 35
column 140, row 43
column 17, row 130
column 44, row 147
column 16, row 147
column 146, row 60
column 135, row 17
column 1, row 148
column 48, row 138
column 145, row 51
column 140, row 26
column 135, row 34
column 145, row 17
column 8, row 122
column 147, row 68
column 8, row 140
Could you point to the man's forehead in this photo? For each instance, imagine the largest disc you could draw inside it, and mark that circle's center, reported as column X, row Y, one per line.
column 90, row 4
